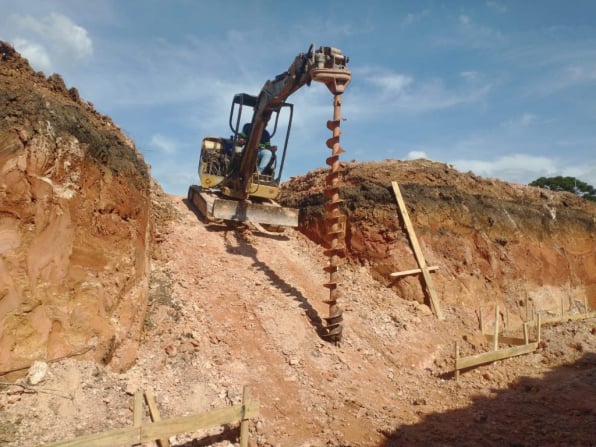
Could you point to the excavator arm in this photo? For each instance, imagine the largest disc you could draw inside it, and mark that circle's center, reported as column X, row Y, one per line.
column 327, row 65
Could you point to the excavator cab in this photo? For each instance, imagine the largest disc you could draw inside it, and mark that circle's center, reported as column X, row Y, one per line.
column 220, row 162
column 220, row 157
column 266, row 183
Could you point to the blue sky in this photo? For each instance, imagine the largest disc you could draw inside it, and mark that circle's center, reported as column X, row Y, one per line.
column 504, row 89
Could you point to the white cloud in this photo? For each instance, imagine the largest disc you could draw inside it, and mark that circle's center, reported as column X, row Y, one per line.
column 164, row 144
column 414, row 155
column 496, row 6
column 413, row 18
column 585, row 172
column 469, row 76
column 520, row 168
column 53, row 42
column 36, row 54
column 391, row 83
column 469, row 34
column 394, row 92
column 524, row 120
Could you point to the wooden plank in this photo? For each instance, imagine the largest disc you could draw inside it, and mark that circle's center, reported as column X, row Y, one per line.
column 434, row 302
column 123, row 436
column 430, row 268
column 155, row 417
column 488, row 357
column 570, row 317
column 505, row 340
column 137, row 413
column 163, row 428
column 171, row 427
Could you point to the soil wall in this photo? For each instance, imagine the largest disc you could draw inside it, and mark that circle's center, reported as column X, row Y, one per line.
column 75, row 226
column 492, row 241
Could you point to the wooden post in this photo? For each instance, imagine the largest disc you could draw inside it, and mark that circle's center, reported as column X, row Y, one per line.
column 456, row 360
column 526, row 336
column 496, row 339
column 538, row 331
column 137, row 414
column 481, row 321
column 244, row 421
column 562, row 307
column 428, row 282
column 430, row 268
column 154, row 412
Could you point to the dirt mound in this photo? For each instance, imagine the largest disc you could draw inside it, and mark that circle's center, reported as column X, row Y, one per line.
column 492, row 241
column 75, row 226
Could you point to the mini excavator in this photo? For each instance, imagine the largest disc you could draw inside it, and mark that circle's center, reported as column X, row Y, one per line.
column 233, row 189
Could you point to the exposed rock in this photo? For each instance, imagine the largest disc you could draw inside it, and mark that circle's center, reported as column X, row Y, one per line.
column 75, row 230
column 37, row 372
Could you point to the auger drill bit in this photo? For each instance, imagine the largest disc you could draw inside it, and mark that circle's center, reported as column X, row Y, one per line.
column 335, row 224
column 336, row 79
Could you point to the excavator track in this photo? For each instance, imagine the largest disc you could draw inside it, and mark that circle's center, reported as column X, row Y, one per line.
column 213, row 206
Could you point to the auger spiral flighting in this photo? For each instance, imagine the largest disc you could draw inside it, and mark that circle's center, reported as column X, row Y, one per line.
column 335, row 221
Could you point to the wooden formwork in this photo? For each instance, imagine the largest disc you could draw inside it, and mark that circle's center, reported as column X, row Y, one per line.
column 160, row 430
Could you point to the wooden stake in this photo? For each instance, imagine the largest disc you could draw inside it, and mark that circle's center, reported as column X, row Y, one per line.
column 481, row 321
column 428, row 282
column 526, row 336
column 137, row 415
column 506, row 317
column 496, row 339
column 562, row 312
column 430, row 268
column 457, row 360
column 244, row 421
column 539, row 327
column 154, row 412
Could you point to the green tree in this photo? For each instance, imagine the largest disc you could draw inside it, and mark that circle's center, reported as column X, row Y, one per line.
column 570, row 184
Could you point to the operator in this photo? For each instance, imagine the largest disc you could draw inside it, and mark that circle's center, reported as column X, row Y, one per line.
column 265, row 156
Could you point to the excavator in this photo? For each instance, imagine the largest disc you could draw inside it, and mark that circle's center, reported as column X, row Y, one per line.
column 232, row 189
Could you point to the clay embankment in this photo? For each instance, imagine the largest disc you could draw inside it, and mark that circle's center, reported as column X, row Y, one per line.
column 494, row 242
column 75, row 225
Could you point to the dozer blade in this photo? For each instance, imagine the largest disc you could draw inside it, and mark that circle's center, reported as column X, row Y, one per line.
column 212, row 206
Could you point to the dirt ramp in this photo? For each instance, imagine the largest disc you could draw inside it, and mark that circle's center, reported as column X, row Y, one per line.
column 75, row 232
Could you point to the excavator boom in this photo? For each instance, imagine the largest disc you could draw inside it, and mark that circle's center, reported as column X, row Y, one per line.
column 326, row 64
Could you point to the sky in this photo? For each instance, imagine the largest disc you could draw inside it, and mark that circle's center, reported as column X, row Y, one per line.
column 504, row 89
